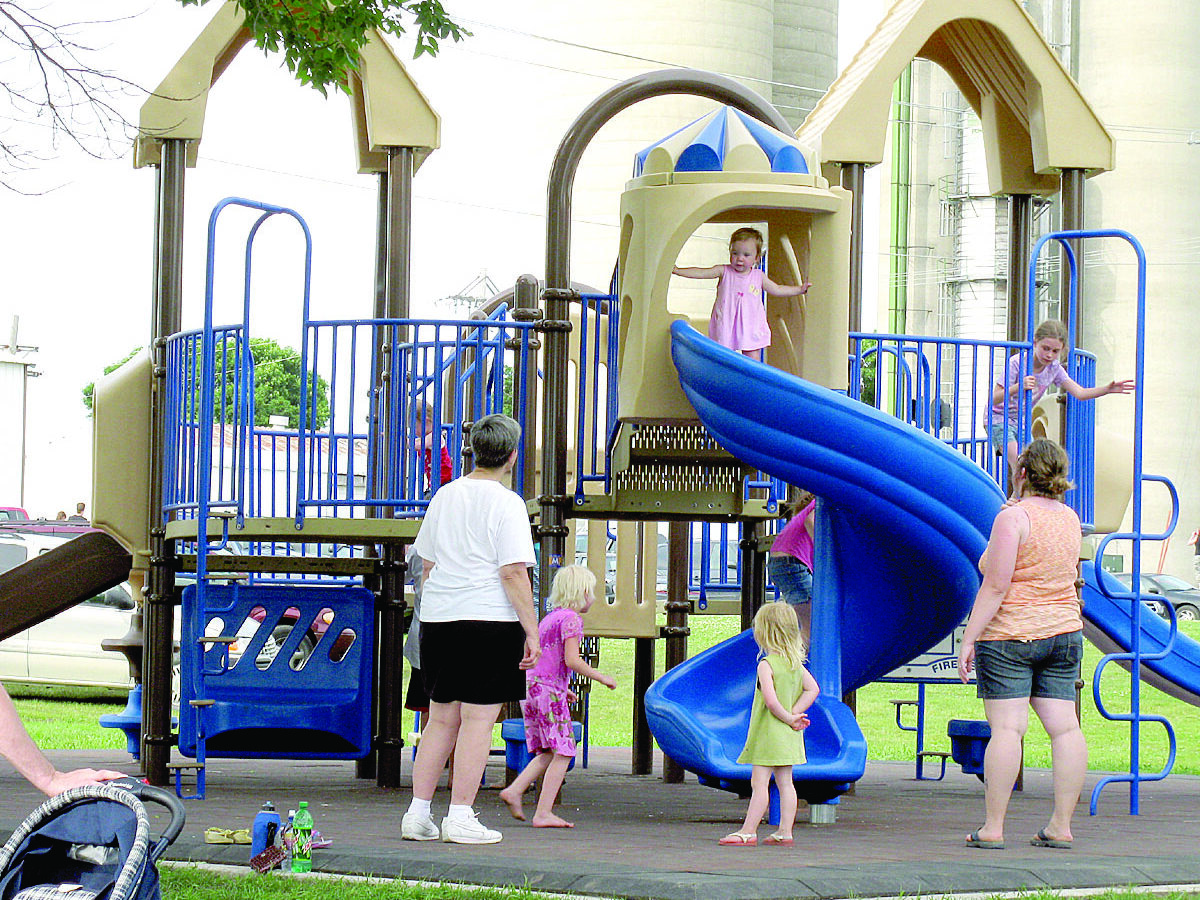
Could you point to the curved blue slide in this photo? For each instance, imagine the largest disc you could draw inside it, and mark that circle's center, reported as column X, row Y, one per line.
column 902, row 523
column 1108, row 614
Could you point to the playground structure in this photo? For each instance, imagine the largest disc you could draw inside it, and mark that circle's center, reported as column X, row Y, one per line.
column 655, row 424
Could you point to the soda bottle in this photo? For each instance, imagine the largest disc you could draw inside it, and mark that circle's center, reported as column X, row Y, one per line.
column 302, row 829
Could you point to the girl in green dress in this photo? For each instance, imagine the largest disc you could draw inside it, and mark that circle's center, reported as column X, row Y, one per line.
column 774, row 744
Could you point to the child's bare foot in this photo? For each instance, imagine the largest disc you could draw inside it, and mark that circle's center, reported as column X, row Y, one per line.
column 513, row 801
column 550, row 820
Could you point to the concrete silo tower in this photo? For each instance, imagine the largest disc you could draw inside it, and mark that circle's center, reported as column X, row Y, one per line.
column 1141, row 71
column 786, row 50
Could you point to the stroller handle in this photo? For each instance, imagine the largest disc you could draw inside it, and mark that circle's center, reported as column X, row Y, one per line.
column 148, row 792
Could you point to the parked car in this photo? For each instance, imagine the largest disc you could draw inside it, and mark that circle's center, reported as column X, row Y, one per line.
column 13, row 514
column 1182, row 595
column 65, row 649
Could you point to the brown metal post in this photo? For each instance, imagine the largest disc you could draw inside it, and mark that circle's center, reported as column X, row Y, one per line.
column 643, row 677
column 159, row 609
column 389, row 741
column 676, row 631
column 853, row 175
column 1020, row 230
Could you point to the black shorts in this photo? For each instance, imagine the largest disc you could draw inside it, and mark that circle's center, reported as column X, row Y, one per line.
column 473, row 662
column 415, row 697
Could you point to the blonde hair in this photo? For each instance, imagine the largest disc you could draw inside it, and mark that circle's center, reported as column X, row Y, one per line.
column 1046, row 466
column 789, row 508
column 777, row 630
column 747, row 234
column 1051, row 328
column 571, row 587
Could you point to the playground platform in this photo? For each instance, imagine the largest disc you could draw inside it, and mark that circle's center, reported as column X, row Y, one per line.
column 640, row 838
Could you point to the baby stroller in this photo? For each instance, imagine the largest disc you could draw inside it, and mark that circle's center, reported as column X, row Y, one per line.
column 89, row 843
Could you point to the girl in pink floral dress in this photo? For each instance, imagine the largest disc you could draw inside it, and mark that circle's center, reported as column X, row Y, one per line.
column 548, row 726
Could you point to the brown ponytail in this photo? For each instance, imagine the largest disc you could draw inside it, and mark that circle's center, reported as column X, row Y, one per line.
column 1046, row 466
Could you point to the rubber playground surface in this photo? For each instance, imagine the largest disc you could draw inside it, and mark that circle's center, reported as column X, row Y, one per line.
column 638, row 837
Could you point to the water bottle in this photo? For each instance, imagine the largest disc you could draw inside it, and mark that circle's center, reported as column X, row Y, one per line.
column 266, row 829
column 302, row 828
column 289, row 838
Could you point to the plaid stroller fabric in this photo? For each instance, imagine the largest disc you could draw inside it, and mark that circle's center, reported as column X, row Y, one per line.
column 88, row 843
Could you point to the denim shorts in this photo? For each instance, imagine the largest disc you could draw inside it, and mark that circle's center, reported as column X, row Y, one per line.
column 792, row 577
column 1047, row 667
column 1001, row 433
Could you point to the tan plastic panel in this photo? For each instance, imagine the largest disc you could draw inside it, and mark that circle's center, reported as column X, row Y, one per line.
column 657, row 220
column 121, row 456
column 1035, row 119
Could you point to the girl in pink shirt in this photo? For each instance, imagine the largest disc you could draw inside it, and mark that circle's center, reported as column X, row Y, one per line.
column 739, row 320
column 549, row 733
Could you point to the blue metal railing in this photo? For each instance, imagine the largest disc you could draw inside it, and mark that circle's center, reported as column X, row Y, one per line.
column 1137, row 534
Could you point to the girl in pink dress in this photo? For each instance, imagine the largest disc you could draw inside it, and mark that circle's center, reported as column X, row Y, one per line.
column 738, row 319
column 548, row 726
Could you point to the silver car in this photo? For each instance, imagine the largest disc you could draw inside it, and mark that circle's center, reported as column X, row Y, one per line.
column 65, row 649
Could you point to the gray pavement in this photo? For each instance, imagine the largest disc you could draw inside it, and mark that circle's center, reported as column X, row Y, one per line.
column 638, row 837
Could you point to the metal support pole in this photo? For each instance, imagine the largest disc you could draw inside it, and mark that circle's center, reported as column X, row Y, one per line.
column 643, row 677
column 676, row 631
column 159, row 610
column 390, row 602
column 389, row 743
column 1020, row 232
column 1072, row 220
column 853, row 177
column 525, row 301
column 366, row 767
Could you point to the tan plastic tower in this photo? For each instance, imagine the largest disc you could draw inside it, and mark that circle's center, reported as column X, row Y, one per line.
column 807, row 227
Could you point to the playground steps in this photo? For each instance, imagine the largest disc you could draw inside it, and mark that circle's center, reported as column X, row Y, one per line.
column 671, row 469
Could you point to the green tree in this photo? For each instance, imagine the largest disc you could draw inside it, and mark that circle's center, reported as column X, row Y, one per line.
column 48, row 75
column 320, row 40
column 276, row 384
column 90, row 388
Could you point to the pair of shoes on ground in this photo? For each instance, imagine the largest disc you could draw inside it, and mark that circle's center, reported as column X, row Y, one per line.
column 227, row 836
column 749, row 839
column 1042, row 840
column 415, row 827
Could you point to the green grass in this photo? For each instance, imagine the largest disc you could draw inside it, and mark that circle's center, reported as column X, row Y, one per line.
column 192, row 883
column 71, row 724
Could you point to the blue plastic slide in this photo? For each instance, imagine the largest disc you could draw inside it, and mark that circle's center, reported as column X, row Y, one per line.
column 1108, row 611
column 902, row 523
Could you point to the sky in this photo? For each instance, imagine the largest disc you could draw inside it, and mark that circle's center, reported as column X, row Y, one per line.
column 77, row 247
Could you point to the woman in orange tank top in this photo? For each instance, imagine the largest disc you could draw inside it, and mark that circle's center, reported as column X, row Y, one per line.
column 1024, row 640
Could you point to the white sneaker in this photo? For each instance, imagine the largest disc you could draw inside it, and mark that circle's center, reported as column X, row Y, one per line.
column 468, row 831
column 416, row 827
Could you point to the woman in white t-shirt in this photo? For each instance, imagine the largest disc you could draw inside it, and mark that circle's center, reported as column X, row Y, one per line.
column 479, row 630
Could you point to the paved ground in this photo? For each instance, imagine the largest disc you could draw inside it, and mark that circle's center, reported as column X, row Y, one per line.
column 638, row 837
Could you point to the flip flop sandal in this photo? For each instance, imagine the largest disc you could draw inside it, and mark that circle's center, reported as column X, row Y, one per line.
column 240, row 835
column 974, row 840
column 218, row 836
column 739, row 839
column 781, row 840
column 1044, row 840
column 320, row 842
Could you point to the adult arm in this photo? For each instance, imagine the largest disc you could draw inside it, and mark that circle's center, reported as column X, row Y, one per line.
column 785, row 290
column 577, row 663
column 19, row 749
column 515, row 579
column 1008, row 530
column 698, row 272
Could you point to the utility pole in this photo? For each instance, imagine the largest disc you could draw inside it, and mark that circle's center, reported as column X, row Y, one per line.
column 16, row 368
